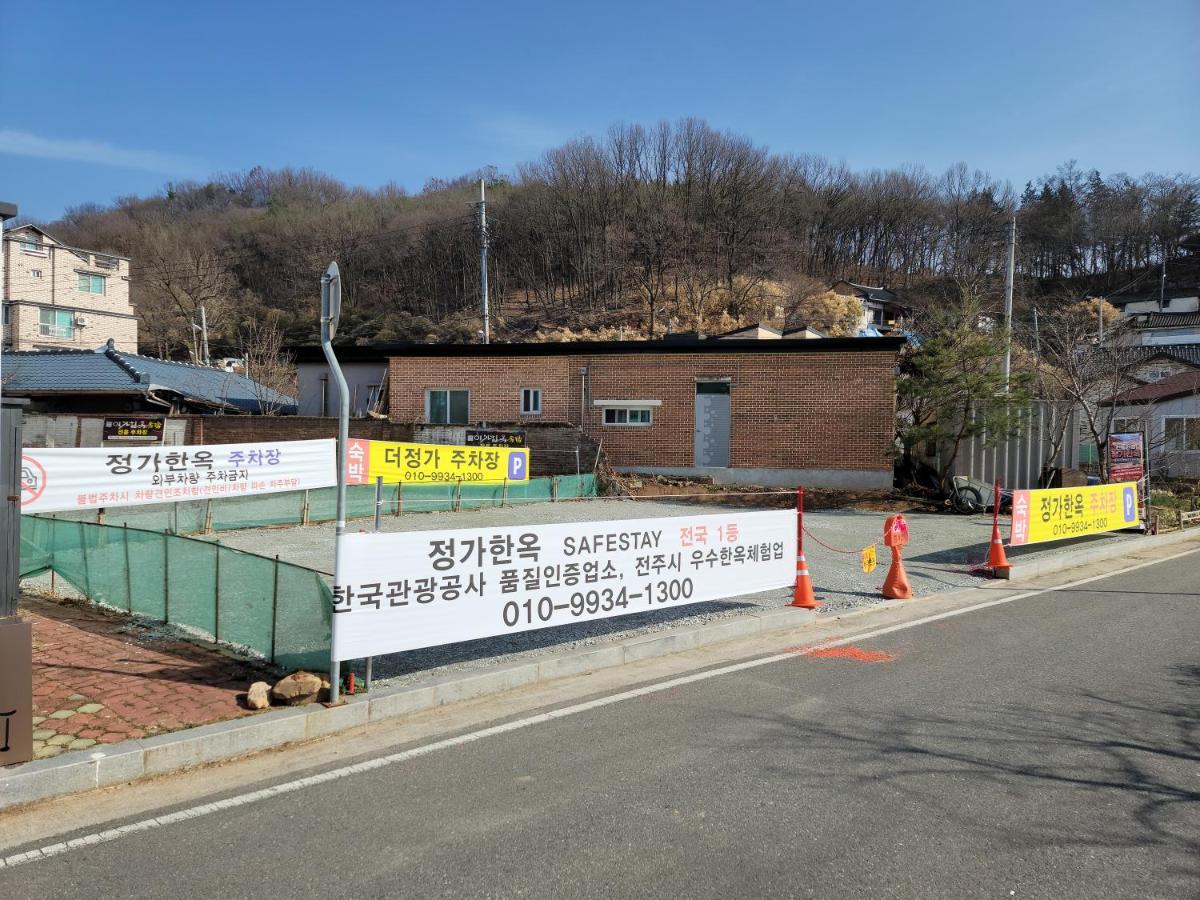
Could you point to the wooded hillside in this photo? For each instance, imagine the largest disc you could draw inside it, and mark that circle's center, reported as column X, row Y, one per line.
column 676, row 225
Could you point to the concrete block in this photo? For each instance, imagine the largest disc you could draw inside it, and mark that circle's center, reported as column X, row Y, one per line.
column 402, row 702
column 455, row 690
column 579, row 662
column 44, row 778
column 223, row 740
column 654, row 645
column 786, row 618
column 322, row 721
column 119, row 763
column 728, row 630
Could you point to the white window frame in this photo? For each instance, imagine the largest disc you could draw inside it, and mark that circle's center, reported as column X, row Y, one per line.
column 620, row 416
column 1184, row 433
column 35, row 273
column 641, row 405
column 32, row 246
column 92, row 280
column 55, row 329
column 534, row 408
column 429, row 392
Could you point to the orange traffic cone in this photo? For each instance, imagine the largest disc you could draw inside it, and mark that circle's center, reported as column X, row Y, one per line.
column 896, row 586
column 803, row 596
column 895, row 536
column 996, row 560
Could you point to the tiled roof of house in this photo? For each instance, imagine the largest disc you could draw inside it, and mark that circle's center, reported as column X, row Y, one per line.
column 1167, row 320
column 1185, row 353
column 1166, row 389
column 111, row 371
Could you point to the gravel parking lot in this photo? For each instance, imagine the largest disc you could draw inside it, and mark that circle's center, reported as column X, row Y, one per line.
column 942, row 547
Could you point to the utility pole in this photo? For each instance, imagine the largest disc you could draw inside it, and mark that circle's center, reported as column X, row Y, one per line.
column 204, row 335
column 483, row 262
column 1162, row 282
column 1037, row 339
column 1009, row 274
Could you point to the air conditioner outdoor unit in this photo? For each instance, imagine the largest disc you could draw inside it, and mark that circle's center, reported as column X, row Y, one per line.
column 80, row 321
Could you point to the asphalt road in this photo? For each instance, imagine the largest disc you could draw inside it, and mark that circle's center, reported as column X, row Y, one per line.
column 1048, row 747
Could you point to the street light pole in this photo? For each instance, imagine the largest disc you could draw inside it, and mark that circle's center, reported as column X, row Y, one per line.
column 331, row 308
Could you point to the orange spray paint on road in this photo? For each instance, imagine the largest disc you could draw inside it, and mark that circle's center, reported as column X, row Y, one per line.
column 858, row 654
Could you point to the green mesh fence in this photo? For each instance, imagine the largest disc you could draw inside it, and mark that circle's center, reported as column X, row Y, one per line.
column 320, row 505
column 277, row 610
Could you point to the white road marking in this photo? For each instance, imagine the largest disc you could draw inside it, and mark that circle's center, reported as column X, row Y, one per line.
column 111, row 834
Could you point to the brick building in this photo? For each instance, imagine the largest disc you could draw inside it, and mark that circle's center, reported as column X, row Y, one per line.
column 819, row 412
column 59, row 297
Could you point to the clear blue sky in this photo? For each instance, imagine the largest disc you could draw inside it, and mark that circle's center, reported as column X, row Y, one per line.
column 103, row 100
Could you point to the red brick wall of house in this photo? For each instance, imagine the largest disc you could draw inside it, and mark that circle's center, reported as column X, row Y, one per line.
column 808, row 410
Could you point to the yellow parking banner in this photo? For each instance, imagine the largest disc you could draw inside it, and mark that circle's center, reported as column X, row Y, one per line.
column 433, row 463
column 1060, row 513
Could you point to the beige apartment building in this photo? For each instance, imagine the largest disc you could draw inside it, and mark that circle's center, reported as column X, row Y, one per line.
column 61, row 297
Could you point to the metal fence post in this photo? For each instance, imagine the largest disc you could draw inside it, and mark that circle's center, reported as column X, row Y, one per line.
column 100, row 516
column 275, row 605
column 504, row 492
column 576, row 460
column 378, row 502
column 87, row 575
column 166, row 577
column 304, row 509
column 128, row 576
column 208, row 516
column 554, row 489
column 217, row 593
column 457, row 502
column 400, row 498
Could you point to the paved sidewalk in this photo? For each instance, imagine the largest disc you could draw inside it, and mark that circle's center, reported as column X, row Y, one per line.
column 101, row 678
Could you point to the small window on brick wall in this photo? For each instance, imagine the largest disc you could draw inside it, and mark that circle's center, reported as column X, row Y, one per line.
column 623, row 416
column 531, row 401
column 447, row 407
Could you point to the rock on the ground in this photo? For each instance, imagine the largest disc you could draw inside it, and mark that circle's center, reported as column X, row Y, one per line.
column 259, row 695
column 297, row 688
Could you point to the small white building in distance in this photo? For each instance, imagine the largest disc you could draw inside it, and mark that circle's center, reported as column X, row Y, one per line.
column 61, row 297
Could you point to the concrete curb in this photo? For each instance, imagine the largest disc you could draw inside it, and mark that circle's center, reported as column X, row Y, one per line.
column 1024, row 570
column 128, row 761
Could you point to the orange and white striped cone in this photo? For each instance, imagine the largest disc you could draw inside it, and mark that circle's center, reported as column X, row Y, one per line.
column 997, row 561
column 803, row 596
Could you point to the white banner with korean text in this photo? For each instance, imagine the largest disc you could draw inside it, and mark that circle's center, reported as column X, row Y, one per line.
column 62, row 478
column 404, row 591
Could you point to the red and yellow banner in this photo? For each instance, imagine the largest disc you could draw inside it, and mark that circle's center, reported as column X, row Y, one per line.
column 1056, row 514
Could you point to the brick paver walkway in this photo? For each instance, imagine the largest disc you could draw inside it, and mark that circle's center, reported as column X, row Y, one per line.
column 99, row 678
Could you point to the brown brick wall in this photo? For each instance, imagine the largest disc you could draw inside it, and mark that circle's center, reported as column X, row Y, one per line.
column 246, row 429
column 551, row 446
column 495, row 386
column 809, row 410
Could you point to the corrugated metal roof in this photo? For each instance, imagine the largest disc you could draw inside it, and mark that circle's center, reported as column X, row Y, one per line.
column 111, row 371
